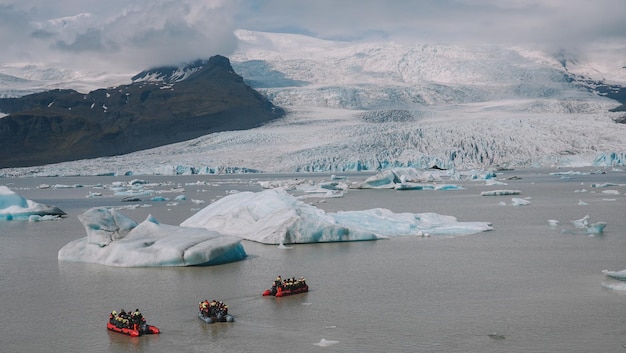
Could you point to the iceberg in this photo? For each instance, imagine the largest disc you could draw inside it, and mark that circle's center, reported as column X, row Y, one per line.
column 500, row 192
column 400, row 179
column 14, row 206
column 275, row 217
column 619, row 275
column 116, row 240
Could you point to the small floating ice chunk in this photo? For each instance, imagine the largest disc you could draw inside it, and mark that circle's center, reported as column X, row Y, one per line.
column 619, row 275
column 283, row 246
column 596, row 228
column 581, row 223
column 614, row 285
column 582, row 203
column 519, row 202
column 610, row 192
column 325, row 343
column 500, row 192
column 553, row 222
column 496, row 336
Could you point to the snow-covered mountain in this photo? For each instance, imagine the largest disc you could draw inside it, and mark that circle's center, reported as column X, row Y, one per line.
column 378, row 105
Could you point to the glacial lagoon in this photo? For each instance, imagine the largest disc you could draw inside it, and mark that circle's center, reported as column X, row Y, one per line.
column 532, row 284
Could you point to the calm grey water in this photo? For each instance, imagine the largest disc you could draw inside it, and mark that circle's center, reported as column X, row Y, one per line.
column 536, row 286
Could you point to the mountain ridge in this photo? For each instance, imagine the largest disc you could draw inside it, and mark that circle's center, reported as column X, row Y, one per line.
column 61, row 125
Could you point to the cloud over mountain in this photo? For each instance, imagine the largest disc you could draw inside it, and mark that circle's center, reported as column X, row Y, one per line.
column 131, row 35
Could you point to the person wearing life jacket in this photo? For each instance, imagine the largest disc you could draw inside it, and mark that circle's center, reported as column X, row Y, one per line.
column 137, row 315
column 113, row 317
column 136, row 319
column 212, row 308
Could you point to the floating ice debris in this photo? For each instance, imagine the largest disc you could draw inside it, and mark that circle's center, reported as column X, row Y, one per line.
column 516, row 201
column 197, row 202
column 614, row 285
column 603, row 185
column 390, row 178
column 14, row 206
column 496, row 336
column 581, row 223
column 491, row 182
column 325, row 343
column 619, row 275
column 553, row 222
column 131, row 199
column 500, row 192
column 596, row 228
column 610, row 192
column 159, row 198
column 582, row 203
column 283, row 246
column 569, row 173
column 37, row 218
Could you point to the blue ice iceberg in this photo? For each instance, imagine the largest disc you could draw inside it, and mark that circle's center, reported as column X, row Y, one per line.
column 116, row 240
column 14, row 206
column 405, row 179
column 276, row 217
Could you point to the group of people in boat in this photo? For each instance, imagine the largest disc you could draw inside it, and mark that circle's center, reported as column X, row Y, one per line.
column 288, row 283
column 131, row 320
column 214, row 308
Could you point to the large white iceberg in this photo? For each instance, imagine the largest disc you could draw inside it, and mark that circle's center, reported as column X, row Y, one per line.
column 276, row 217
column 14, row 206
column 116, row 240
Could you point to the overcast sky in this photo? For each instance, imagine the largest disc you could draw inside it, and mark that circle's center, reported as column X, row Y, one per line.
column 129, row 35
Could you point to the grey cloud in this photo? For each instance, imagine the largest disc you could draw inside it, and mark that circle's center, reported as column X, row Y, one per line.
column 91, row 40
column 132, row 33
column 42, row 34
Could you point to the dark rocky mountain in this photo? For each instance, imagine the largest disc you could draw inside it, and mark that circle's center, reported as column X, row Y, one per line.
column 161, row 106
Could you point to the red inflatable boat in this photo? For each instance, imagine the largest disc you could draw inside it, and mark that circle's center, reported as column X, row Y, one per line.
column 279, row 292
column 141, row 330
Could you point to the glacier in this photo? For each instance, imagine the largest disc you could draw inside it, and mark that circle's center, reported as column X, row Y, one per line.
column 381, row 105
column 15, row 207
column 274, row 216
column 116, row 240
